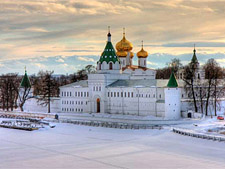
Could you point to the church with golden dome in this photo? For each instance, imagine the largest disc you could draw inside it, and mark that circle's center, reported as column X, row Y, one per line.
column 124, row 56
column 119, row 87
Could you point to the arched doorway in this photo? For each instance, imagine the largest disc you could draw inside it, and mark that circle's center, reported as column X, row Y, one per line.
column 98, row 105
column 110, row 66
column 189, row 115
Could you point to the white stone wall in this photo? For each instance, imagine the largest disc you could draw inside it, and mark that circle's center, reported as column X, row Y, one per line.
column 136, row 101
column 32, row 105
column 74, row 99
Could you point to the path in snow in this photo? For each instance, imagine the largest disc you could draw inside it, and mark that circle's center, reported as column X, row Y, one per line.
column 72, row 146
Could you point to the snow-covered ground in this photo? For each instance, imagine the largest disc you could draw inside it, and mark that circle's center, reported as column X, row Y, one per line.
column 73, row 146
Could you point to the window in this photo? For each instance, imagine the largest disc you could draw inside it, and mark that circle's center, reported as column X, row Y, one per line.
column 108, row 94
column 81, row 94
column 121, row 94
column 70, row 94
column 123, row 62
column 99, row 66
column 138, row 62
column 87, row 94
column 62, row 94
column 145, row 62
column 94, row 88
column 125, row 94
column 118, row 94
column 114, row 94
column 110, row 66
column 86, row 102
column 76, row 94
column 84, row 94
column 128, row 94
column 132, row 94
column 99, row 88
column 160, row 96
column 67, row 93
column 111, row 94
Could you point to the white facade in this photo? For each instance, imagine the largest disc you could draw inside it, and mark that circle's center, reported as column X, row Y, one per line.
column 172, row 103
column 119, row 87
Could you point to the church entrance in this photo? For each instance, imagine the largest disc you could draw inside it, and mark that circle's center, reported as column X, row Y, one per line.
column 98, row 105
column 189, row 115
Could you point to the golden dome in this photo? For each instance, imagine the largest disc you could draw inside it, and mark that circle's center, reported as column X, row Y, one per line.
column 142, row 53
column 121, row 53
column 124, row 44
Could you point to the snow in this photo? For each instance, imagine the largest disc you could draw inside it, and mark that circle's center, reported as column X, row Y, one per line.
column 73, row 146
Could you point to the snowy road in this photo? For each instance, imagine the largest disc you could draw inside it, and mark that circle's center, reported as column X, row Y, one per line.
column 72, row 146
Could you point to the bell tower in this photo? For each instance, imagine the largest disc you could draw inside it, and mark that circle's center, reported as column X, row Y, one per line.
column 109, row 61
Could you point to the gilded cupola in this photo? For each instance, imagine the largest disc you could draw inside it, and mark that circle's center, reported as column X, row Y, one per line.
column 123, row 46
column 142, row 53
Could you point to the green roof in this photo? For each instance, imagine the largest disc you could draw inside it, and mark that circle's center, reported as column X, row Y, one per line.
column 194, row 58
column 109, row 54
column 172, row 81
column 25, row 81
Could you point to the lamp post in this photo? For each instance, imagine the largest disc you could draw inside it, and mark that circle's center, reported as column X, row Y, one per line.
column 138, row 98
column 138, row 101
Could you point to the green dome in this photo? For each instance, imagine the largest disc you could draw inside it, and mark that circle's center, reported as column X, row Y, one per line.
column 109, row 54
column 25, row 81
column 172, row 81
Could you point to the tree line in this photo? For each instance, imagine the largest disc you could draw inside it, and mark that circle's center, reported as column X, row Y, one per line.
column 201, row 92
column 44, row 86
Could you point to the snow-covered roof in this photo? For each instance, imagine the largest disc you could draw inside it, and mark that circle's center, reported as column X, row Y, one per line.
column 82, row 83
column 142, row 83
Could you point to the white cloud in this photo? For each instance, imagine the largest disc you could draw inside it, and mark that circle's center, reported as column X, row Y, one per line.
column 86, row 59
column 60, row 60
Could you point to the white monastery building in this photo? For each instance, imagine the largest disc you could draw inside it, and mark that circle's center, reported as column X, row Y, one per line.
column 119, row 87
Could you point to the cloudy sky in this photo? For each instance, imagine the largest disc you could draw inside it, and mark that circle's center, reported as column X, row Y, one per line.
column 66, row 35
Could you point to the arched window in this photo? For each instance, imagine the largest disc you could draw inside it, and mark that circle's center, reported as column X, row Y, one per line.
column 99, row 66
column 110, row 66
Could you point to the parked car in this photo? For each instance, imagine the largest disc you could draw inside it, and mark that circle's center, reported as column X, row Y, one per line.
column 220, row 118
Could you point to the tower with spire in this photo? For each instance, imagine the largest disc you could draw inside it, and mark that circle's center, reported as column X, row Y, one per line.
column 25, row 83
column 109, row 61
column 172, row 99
column 194, row 60
column 195, row 66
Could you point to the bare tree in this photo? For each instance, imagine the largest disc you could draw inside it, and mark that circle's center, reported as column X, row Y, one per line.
column 9, row 91
column 214, row 74
column 190, row 84
column 48, row 88
column 24, row 91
